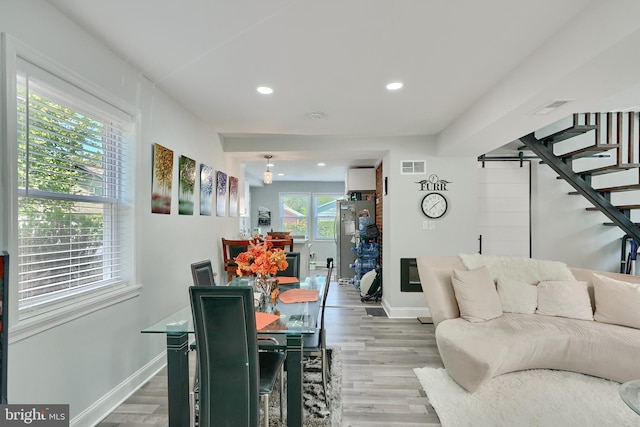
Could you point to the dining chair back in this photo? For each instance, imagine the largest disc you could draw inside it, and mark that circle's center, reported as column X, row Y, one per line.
column 283, row 244
column 232, row 374
column 203, row 274
column 293, row 268
column 230, row 250
column 325, row 295
column 317, row 343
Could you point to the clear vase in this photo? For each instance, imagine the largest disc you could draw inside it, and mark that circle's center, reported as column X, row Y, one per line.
column 265, row 284
column 262, row 283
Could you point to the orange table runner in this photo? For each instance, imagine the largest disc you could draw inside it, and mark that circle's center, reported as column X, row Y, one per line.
column 264, row 319
column 287, row 280
column 299, row 295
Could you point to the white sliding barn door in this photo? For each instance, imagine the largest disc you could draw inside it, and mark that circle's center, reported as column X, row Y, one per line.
column 504, row 208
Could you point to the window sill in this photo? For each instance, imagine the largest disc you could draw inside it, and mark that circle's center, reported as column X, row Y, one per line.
column 36, row 324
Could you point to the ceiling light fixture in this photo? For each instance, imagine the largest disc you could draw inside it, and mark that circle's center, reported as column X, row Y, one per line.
column 265, row 90
column 268, row 175
column 395, row 85
column 322, row 164
column 315, row 115
column 551, row 106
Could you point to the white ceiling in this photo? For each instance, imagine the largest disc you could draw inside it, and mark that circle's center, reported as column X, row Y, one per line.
column 470, row 68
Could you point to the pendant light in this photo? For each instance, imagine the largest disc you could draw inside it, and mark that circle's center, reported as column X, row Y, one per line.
column 268, row 175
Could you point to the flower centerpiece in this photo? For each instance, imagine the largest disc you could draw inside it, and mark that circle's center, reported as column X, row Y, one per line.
column 261, row 258
column 262, row 261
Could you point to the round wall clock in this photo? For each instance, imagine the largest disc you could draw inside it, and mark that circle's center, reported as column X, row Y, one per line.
column 434, row 205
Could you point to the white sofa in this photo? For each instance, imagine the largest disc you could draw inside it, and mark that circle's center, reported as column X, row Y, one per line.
column 538, row 322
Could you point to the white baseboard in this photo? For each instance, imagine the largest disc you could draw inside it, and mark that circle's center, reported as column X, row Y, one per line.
column 114, row 398
column 405, row 312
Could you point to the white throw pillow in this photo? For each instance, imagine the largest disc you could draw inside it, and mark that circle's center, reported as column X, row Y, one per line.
column 527, row 270
column 517, row 296
column 617, row 302
column 564, row 299
column 476, row 294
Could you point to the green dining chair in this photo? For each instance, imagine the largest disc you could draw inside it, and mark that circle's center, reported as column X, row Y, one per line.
column 234, row 375
column 293, row 267
column 203, row 274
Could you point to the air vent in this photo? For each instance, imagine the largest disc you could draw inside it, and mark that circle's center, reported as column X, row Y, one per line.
column 413, row 167
column 552, row 106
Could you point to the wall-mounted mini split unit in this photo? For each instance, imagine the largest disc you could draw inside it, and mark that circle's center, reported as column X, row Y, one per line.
column 361, row 179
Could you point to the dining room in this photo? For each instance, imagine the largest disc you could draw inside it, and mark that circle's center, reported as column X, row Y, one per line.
column 370, row 382
column 134, row 236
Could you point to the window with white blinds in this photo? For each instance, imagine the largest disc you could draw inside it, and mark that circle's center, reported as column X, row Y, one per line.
column 71, row 189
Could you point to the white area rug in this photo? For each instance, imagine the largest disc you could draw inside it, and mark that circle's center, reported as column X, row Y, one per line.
column 542, row 398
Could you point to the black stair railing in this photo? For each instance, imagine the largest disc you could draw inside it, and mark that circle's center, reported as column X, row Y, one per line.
column 581, row 181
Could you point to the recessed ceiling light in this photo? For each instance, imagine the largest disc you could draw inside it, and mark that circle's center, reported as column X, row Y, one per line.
column 322, row 164
column 552, row 105
column 315, row 115
column 395, row 85
column 265, row 90
column 280, row 174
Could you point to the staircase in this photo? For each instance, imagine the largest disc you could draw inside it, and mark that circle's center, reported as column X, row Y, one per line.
column 612, row 138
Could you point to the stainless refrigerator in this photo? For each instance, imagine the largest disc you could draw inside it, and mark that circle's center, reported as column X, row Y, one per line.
column 347, row 225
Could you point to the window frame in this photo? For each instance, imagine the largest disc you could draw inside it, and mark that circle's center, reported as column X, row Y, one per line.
column 317, row 217
column 25, row 323
column 306, row 195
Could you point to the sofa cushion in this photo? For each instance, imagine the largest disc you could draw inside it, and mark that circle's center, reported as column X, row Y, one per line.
column 517, row 296
column 564, row 298
column 528, row 270
column 617, row 302
column 476, row 294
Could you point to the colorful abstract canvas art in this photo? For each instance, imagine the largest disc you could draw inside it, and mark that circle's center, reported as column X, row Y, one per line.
column 221, row 194
column 187, row 181
column 206, row 189
column 233, row 196
column 162, row 177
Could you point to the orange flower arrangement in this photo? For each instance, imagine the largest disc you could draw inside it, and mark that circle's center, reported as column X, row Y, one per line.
column 261, row 259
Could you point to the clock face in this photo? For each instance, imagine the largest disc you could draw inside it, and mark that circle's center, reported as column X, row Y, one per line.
column 434, row 205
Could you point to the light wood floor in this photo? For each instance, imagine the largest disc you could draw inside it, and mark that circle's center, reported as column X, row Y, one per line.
column 379, row 387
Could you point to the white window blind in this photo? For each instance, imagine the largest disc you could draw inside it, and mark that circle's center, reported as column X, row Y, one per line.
column 71, row 189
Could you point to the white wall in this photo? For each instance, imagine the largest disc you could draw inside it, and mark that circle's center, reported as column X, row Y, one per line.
column 562, row 229
column 92, row 362
column 403, row 232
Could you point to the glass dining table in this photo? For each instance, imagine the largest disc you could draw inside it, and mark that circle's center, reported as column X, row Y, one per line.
column 295, row 320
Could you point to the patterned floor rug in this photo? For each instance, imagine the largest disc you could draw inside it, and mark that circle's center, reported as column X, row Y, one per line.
column 317, row 412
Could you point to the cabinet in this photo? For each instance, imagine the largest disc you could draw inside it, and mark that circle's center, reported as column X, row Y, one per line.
column 361, row 179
